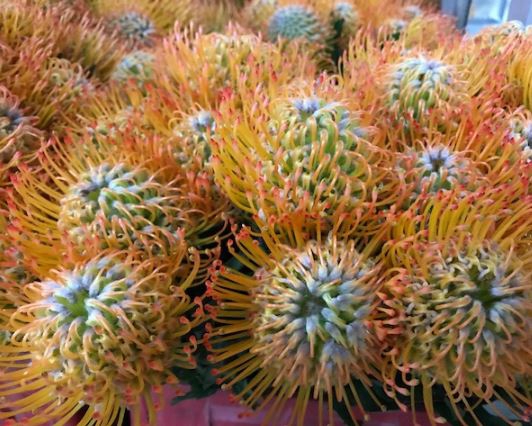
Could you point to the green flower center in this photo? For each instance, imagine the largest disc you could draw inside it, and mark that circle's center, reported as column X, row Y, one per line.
column 312, row 308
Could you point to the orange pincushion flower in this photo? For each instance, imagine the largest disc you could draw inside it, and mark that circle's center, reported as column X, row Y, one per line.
column 201, row 69
column 142, row 23
column 102, row 334
column 86, row 195
column 458, row 300
column 304, row 161
column 300, row 326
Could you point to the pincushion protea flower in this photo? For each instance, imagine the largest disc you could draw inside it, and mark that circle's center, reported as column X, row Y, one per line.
column 92, row 195
column 418, row 84
column 141, row 24
column 458, row 301
column 300, row 326
column 303, row 162
column 103, row 334
column 201, row 69
column 136, row 66
column 293, row 22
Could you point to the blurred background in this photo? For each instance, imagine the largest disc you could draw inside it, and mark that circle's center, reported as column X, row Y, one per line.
column 473, row 15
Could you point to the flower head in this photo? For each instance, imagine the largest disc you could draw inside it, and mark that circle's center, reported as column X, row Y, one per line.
column 192, row 145
column 203, row 69
column 394, row 28
column 417, row 85
column 457, row 312
column 104, row 195
column 104, row 333
column 135, row 27
column 109, row 193
column 456, row 302
column 135, row 65
column 300, row 325
column 293, row 22
column 301, row 161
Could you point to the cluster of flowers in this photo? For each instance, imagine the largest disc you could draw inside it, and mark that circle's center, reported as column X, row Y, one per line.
column 310, row 199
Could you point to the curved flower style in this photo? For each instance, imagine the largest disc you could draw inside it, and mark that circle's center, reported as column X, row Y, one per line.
column 520, row 71
column 103, row 334
column 306, row 163
column 458, row 300
column 202, row 69
column 300, row 326
column 107, row 195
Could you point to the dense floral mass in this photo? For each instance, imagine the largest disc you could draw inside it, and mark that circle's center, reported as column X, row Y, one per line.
column 312, row 200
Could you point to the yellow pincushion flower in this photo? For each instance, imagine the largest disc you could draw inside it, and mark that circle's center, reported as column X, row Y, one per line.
column 458, row 298
column 299, row 326
column 201, row 70
column 142, row 23
column 304, row 161
column 103, row 334
column 96, row 195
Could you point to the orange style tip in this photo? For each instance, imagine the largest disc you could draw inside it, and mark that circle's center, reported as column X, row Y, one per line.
column 219, row 382
column 210, row 358
column 184, row 320
column 157, row 388
column 193, row 340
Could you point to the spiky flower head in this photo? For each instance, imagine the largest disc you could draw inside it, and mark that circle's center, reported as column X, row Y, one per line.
column 193, row 134
column 295, row 22
column 307, row 160
column 135, row 27
column 457, row 300
column 63, row 73
column 300, row 326
column 439, row 168
column 113, row 196
column 344, row 17
column 458, row 310
column 137, row 65
column 417, row 85
column 104, row 333
column 203, row 69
